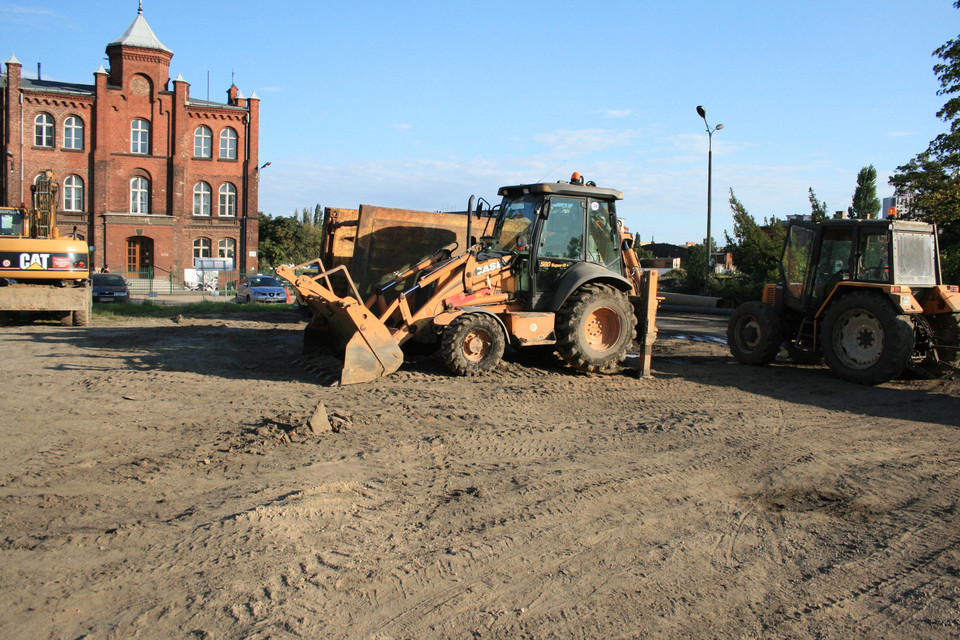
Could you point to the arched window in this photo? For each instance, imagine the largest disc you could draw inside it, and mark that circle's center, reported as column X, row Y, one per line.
column 228, row 201
column 73, row 133
column 202, row 142
column 201, row 248
column 140, row 136
column 227, row 248
column 73, row 193
column 43, row 130
column 139, row 195
column 201, row 199
column 228, row 144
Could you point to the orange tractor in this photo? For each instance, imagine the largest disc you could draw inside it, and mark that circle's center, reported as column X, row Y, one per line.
column 559, row 269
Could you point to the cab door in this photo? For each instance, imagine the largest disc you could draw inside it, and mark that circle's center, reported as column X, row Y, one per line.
column 559, row 244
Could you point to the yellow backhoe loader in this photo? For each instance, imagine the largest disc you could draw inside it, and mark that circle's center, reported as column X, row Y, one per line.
column 559, row 269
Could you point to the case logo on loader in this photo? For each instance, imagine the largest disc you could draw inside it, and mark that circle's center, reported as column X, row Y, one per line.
column 487, row 268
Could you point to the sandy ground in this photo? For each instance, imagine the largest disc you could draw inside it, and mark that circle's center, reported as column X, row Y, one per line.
column 158, row 480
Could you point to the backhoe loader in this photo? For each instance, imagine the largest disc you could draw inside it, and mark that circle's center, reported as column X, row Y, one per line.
column 559, row 269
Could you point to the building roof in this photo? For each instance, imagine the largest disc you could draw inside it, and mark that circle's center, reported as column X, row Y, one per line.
column 139, row 34
column 54, row 86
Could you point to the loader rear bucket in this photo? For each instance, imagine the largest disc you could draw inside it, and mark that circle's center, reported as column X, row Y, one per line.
column 356, row 337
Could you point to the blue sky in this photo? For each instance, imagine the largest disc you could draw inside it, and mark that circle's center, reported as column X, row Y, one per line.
column 421, row 104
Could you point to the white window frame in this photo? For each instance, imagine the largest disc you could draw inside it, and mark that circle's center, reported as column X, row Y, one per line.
column 43, row 130
column 139, row 195
column 228, row 144
column 203, row 247
column 140, row 136
column 73, row 133
column 203, row 142
column 201, row 199
column 73, row 193
column 227, row 207
column 227, row 248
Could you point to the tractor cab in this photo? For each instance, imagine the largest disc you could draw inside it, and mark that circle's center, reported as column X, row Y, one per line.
column 864, row 295
column 559, row 233
column 817, row 258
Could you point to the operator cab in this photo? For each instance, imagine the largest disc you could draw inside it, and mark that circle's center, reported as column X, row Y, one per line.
column 12, row 222
column 551, row 228
column 817, row 257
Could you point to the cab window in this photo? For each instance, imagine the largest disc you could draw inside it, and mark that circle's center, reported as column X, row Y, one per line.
column 562, row 235
column 873, row 256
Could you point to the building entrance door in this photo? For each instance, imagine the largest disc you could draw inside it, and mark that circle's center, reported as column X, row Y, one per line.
column 139, row 256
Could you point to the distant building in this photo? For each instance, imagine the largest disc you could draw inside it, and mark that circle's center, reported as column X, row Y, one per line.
column 149, row 176
column 902, row 203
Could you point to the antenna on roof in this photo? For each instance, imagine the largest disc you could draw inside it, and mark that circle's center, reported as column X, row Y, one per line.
column 140, row 10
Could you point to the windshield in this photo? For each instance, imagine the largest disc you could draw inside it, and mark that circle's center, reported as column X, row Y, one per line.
column 113, row 279
column 515, row 224
column 264, row 281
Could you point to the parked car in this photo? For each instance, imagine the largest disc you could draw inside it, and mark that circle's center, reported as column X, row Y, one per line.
column 260, row 288
column 109, row 287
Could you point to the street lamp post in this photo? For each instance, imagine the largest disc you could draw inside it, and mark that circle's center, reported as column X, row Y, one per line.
column 703, row 114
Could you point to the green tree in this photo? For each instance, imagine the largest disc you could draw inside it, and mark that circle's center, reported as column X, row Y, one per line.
column 642, row 252
column 756, row 252
column 933, row 176
column 318, row 216
column 818, row 208
column 866, row 204
column 288, row 240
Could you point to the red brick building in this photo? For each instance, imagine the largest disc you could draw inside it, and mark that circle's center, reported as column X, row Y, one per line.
column 149, row 176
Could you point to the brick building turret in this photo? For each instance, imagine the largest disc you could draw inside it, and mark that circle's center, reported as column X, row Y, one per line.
column 149, row 176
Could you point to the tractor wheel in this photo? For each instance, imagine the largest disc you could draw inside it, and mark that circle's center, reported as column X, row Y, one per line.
column 66, row 318
column 472, row 344
column 595, row 327
column 865, row 340
column 801, row 355
column 754, row 333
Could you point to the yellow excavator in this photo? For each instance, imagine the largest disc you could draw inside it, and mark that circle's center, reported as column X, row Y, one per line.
column 559, row 269
column 40, row 271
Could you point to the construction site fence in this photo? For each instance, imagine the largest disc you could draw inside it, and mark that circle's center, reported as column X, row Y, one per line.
column 155, row 282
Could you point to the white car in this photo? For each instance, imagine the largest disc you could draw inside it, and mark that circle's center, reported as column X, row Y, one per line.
column 260, row 288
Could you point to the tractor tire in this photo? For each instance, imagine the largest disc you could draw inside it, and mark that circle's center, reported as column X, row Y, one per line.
column 754, row 333
column 472, row 344
column 865, row 340
column 595, row 328
column 66, row 318
column 801, row 355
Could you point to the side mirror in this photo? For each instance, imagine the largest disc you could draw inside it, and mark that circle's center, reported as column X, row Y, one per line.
column 543, row 209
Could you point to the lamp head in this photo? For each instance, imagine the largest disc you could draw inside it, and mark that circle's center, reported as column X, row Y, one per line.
column 702, row 112
column 718, row 127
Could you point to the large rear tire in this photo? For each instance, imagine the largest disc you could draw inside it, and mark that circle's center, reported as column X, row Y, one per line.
column 754, row 333
column 472, row 344
column 865, row 340
column 595, row 328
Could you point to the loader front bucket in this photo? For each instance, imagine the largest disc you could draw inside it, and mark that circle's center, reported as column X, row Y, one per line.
column 357, row 338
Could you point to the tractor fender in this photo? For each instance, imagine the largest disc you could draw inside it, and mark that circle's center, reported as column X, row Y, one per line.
column 901, row 298
column 580, row 274
column 444, row 319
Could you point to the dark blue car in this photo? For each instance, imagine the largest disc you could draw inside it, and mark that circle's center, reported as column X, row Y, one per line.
column 109, row 287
